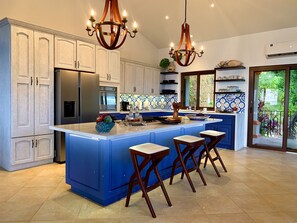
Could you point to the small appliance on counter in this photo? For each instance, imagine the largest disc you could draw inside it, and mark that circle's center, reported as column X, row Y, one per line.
column 125, row 106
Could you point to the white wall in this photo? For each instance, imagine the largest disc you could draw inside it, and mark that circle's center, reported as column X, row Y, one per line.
column 248, row 48
column 70, row 16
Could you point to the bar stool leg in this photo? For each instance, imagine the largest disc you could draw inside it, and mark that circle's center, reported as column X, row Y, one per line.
column 198, row 170
column 138, row 177
column 220, row 159
column 184, row 167
column 173, row 170
column 211, row 160
column 162, row 186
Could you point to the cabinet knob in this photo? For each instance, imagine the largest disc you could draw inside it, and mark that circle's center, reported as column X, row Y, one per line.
column 75, row 64
column 36, row 80
column 31, row 80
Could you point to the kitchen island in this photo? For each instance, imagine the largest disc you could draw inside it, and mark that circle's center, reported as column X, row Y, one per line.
column 98, row 166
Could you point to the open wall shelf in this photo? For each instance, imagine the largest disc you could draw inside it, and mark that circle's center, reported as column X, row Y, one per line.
column 231, row 68
column 231, row 80
column 169, row 73
column 229, row 92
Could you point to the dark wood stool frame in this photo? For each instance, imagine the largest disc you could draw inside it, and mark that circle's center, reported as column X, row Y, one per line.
column 187, row 153
column 136, row 178
column 214, row 140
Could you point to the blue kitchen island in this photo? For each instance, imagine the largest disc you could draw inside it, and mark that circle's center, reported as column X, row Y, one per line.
column 98, row 166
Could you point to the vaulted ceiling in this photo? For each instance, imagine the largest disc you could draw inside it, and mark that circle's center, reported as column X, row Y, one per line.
column 227, row 18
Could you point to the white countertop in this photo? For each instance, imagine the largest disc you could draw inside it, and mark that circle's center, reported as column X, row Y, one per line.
column 88, row 129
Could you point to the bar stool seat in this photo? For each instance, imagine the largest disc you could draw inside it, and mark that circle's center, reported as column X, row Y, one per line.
column 192, row 144
column 215, row 137
column 152, row 153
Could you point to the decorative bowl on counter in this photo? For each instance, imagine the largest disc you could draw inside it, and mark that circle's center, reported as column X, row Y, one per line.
column 103, row 127
column 198, row 117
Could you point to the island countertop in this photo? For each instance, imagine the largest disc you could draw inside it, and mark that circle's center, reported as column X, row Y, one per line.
column 119, row 131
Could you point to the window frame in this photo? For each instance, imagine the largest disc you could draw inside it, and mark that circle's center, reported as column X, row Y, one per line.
column 198, row 74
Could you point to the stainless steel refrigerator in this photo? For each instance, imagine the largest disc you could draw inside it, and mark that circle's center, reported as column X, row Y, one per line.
column 76, row 101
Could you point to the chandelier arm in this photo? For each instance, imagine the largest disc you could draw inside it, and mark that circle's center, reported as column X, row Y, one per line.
column 181, row 37
column 123, row 40
column 188, row 45
column 115, row 38
column 105, row 11
column 101, row 37
column 117, row 15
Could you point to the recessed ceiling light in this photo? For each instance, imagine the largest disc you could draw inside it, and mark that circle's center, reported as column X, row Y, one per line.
column 167, row 17
column 212, row 5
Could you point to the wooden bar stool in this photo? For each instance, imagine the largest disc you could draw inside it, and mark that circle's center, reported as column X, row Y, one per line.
column 215, row 137
column 192, row 144
column 151, row 153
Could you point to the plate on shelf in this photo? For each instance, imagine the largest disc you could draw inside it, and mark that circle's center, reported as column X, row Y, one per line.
column 197, row 117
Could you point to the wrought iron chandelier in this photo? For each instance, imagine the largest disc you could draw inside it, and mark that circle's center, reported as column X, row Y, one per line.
column 110, row 34
column 185, row 57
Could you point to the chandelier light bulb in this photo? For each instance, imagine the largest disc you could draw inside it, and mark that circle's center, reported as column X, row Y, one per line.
column 193, row 43
column 92, row 13
column 125, row 14
column 135, row 25
column 171, row 45
column 89, row 23
column 202, row 48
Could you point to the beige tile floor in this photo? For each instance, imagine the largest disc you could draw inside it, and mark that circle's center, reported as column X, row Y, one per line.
column 260, row 186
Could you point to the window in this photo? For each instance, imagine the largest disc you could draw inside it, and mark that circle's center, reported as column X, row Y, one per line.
column 197, row 89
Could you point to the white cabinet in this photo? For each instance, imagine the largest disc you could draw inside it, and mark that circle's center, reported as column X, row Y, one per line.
column 44, row 147
column 32, row 82
column 22, row 81
column 122, row 77
column 134, row 74
column 108, row 65
column 74, row 55
column 44, row 82
column 151, row 83
column 29, row 149
column 27, row 100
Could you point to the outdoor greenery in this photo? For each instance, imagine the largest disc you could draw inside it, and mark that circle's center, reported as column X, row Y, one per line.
column 271, row 97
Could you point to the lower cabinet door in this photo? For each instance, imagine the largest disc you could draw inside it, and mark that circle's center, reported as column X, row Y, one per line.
column 44, row 147
column 228, row 141
column 22, row 150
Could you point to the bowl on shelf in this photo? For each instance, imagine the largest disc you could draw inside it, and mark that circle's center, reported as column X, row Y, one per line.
column 168, row 91
column 171, row 81
column 165, row 82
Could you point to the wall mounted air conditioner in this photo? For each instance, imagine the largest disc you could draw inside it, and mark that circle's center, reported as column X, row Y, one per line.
column 281, row 49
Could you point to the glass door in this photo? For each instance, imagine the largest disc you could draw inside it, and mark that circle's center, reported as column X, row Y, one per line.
column 292, row 115
column 268, row 109
column 273, row 108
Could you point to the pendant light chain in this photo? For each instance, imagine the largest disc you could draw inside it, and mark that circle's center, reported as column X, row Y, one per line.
column 185, row 11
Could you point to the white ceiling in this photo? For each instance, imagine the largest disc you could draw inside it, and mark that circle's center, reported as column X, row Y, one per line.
column 228, row 18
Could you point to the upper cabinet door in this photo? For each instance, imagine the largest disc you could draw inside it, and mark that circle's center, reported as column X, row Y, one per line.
column 108, row 65
column 65, row 53
column 102, row 63
column 156, row 81
column 139, row 80
column 114, row 66
column 122, row 77
column 148, row 77
column 22, row 91
column 85, row 56
column 44, row 82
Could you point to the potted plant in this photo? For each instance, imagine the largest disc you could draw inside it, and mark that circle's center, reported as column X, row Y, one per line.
column 164, row 63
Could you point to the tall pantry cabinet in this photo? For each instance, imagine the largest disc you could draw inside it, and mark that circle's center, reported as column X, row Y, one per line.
column 27, row 97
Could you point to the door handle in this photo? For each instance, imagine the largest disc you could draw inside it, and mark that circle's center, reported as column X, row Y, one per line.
column 77, row 64
column 32, row 143
column 31, row 80
column 36, row 143
column 36, row 80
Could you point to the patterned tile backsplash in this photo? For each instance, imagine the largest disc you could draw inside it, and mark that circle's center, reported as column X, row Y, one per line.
column 228, row 101
column 153, row 102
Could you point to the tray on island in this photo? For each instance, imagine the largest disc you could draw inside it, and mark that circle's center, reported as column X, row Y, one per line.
column 198, row 117
column 168, row 120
